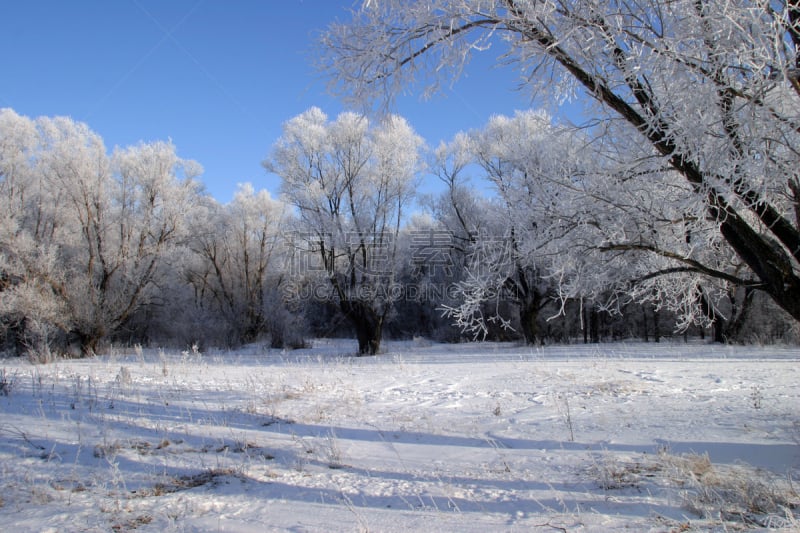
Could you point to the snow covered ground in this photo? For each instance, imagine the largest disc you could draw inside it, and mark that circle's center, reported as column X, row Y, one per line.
column 476, row 437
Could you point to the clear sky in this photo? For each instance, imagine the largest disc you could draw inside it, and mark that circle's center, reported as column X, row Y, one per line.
column 217, row 77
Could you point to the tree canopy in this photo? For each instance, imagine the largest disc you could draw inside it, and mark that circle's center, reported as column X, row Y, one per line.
column 708, row 90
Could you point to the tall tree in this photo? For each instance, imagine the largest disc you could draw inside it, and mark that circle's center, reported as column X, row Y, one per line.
column 350, row 182
column 522, row 157
column 484, row 241
column 239, row 249
column 708, row 90
column 127, row 211
column 85, row 231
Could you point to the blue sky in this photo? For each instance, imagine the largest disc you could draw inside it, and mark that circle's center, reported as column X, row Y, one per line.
column 216, row 77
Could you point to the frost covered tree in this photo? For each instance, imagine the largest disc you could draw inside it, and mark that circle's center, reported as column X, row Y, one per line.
column 350, row 182
column 575, row 228
column 239, row 263
column 126, row 212
column 707, row 92
column 31, row 278
column 486, row 263
column 85, row 234
column 523, row 156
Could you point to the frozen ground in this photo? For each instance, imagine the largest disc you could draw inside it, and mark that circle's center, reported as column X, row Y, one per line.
column 479, row 437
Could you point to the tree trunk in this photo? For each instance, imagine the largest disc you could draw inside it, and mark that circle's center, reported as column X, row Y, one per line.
column 594, row 325
column 644, row 323
column 718, row 328
column 528, row 315
column 254, row 324
column 656, row 327
column 718, row 321
column 739, row 311
column 17, row 334
column 88, row 342
column 768, row 260
column 585, row 323
column 367, row 323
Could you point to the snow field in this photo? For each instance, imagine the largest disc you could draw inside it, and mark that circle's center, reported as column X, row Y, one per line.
column 439, row 438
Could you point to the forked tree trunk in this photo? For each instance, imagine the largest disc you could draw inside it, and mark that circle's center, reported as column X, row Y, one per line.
column 529, row 316
column 88, row 342
column 367, row 323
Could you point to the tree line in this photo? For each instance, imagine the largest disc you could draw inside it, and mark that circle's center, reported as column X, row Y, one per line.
column 675, row 208
column 100, row 247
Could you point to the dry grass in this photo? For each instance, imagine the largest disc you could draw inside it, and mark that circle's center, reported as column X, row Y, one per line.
column 726, row 495
column 210, row 477
column 735, row 493
column 614, row 474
